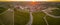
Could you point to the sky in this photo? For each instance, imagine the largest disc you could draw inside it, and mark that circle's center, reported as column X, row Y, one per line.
column 31, row 0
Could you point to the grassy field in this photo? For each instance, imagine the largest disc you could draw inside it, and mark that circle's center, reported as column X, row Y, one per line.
column 18, row 17
column 6, row 18
column 21, row 18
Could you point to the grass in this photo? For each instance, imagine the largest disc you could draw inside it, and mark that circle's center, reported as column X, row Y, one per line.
column 2, row 9
column 56, row 12
column 6, row 18
column 38, row 18
column 21, row 18
column 53, row 21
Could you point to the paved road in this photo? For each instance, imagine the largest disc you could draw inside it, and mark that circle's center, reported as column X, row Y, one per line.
column 31, row 19
column 50, row 14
